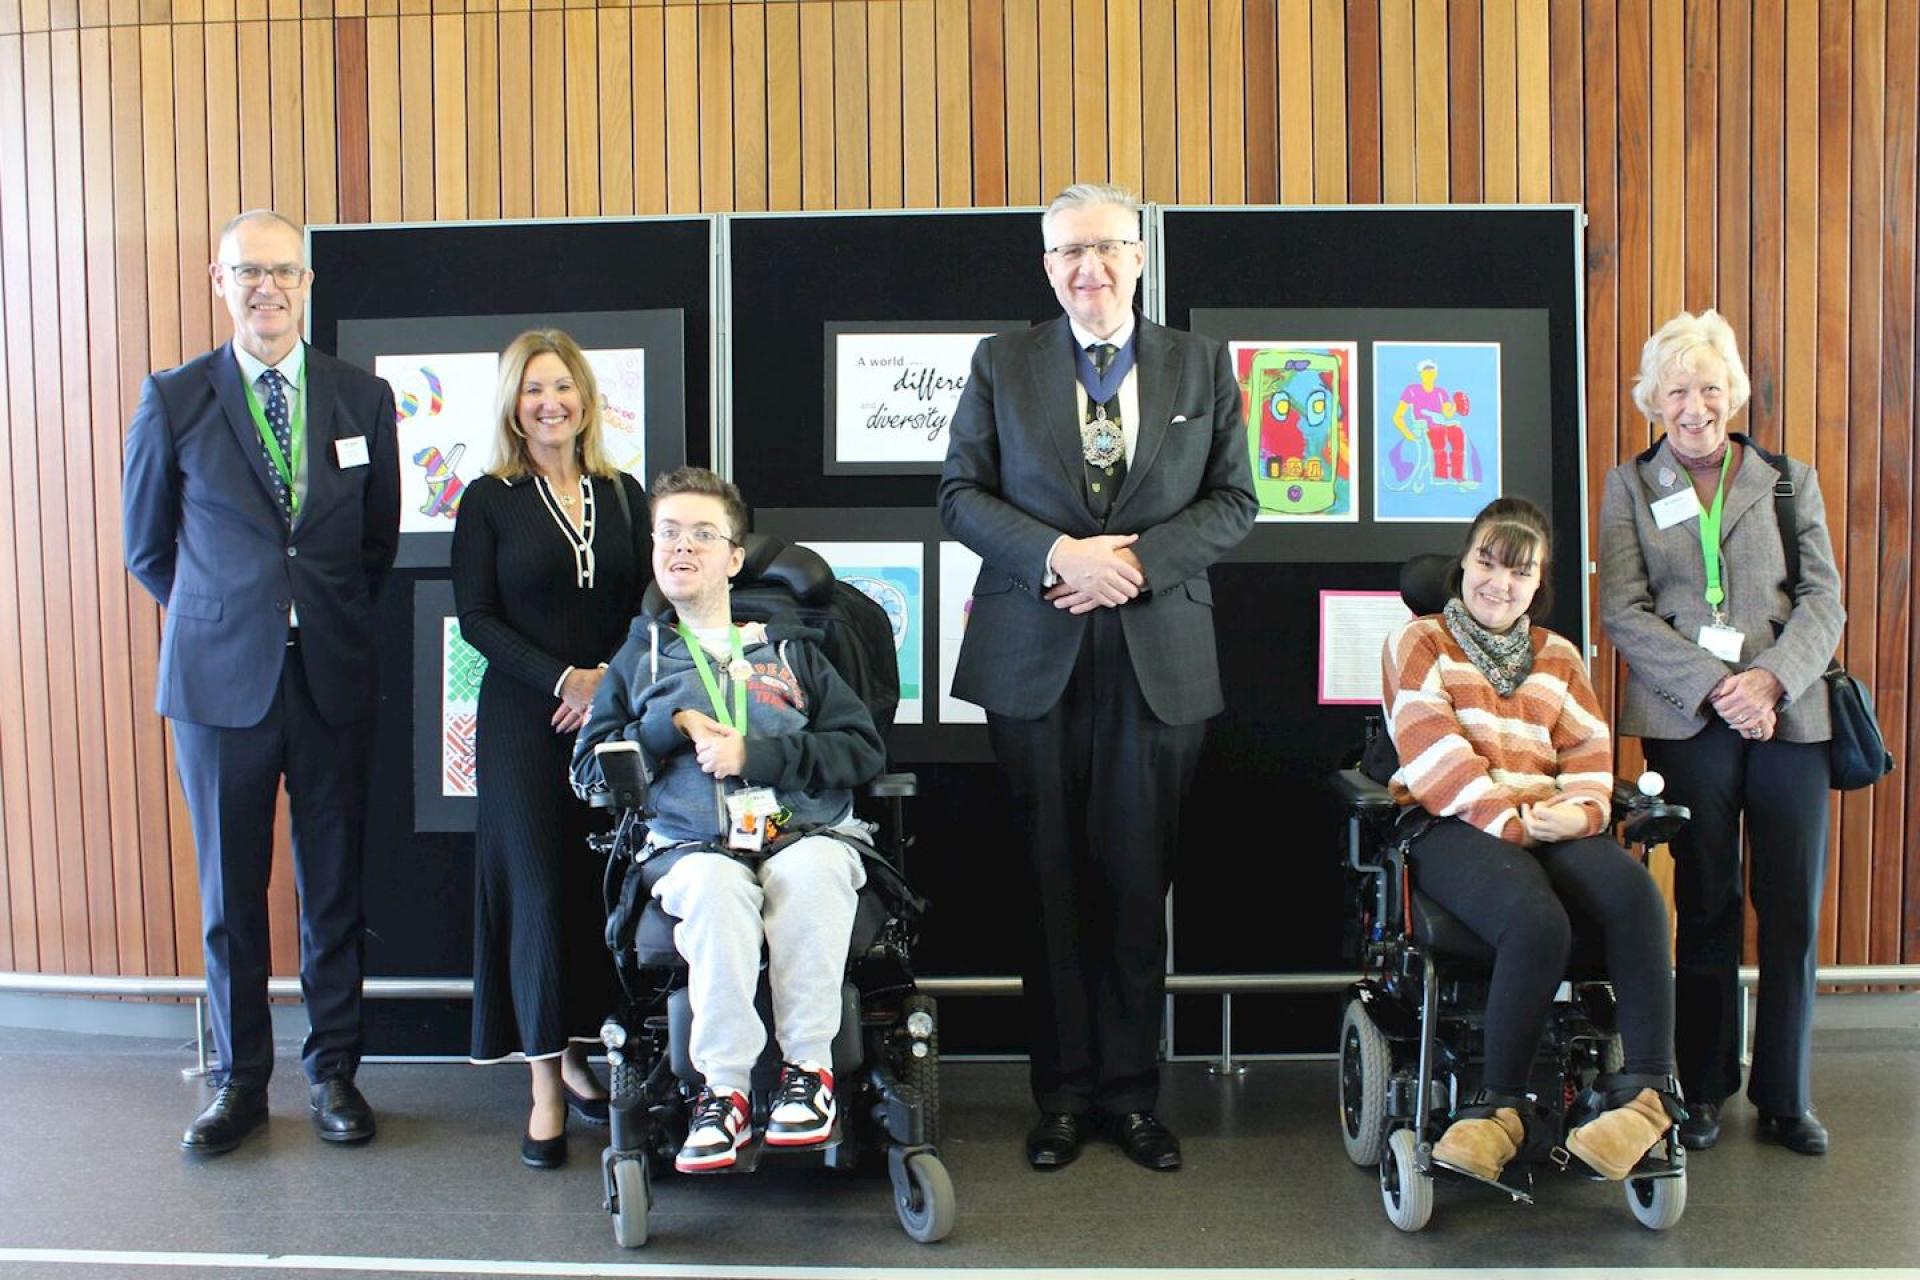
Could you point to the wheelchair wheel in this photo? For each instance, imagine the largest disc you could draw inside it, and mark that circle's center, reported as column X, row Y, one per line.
column 629, row 1196
column 923, row 1073
column 1405, row 1191
column 1365, row 1065
column 1657, row 1202
column 923, row 1197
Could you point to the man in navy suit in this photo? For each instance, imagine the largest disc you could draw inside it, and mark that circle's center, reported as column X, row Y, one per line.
column 1098, row 464
column 262, row 510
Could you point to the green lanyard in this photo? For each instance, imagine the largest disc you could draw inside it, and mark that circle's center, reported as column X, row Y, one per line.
column 738, row 722
column 296, row 430
column 1710, row 540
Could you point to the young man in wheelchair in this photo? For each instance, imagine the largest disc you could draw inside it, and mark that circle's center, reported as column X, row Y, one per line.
column 752, row 743
column 1501, row 739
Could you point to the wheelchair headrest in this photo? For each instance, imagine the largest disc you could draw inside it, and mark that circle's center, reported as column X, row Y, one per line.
column 771, row 562
column 1423, row 582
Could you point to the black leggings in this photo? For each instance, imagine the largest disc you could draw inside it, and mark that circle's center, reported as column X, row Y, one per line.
column 1517, row 900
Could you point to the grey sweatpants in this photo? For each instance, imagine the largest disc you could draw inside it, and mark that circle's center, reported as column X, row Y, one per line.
column 800, row 904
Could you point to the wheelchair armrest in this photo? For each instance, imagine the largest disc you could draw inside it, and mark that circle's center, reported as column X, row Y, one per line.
column 889, row 785
column 1360, row 793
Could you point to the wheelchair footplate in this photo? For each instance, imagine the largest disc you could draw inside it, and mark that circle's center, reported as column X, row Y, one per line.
column 1651, row 1165
column 755, row 1149
column 1441, row 1171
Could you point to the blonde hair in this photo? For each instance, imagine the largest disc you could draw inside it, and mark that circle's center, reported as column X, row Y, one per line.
column 1675, row 344
column 510, row 458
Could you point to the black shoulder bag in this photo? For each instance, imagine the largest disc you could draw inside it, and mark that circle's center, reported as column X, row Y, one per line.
column 1858, row 751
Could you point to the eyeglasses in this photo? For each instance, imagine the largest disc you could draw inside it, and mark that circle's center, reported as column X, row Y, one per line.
column 1105, row 250
column 704, row 537
column 287, row 275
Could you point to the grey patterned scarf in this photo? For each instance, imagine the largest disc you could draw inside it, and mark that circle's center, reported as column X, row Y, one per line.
column 1505, row 659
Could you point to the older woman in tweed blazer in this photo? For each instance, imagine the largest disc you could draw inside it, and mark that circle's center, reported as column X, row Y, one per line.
column 1724, row 690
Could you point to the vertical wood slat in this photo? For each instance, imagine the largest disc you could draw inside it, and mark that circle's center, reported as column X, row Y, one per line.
column 113, row 699
column 716, row 106
column 1897, row 821
column 1089, row 96
column 1329, row 103
column 1598, row 53
column 1261, row 69
column 1192, row 133
column 36, row 939
column 749, row 109
column 383, row 116
column 1430, row 102
column 1298, row 131
column 952, row 81
column 987, row 95
column 1464, row 62
column 851, row 137
column 451, row 186
column 1397, row 166
column 1363, row 102
column 650, row 109
column 1020, row 37
column 1499, row 109
column 80, row 583
column 1125, row 155
column 548, row 143
column 816, row 105
column 919, row 131
column 1227, row 108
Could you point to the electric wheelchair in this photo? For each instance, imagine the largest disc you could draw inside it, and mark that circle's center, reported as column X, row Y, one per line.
column 886, row 1054
column 1411, row 1035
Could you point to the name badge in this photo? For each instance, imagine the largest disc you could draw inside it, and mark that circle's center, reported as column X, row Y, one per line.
column 754, row 815
column 1722, row 642
column 1676, row 508
column 351, row 451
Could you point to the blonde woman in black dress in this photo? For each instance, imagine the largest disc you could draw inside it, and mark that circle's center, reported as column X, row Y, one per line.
column 548, row 568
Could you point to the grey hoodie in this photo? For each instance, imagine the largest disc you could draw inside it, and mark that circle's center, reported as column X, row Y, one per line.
column 809, row 736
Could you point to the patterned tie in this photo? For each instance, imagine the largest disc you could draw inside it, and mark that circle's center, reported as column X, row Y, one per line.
column 274, row 385
column 1104, row 482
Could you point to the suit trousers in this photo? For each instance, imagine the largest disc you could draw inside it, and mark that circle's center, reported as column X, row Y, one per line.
column 1097, row 782
column 231, row 779
column 1781, row 788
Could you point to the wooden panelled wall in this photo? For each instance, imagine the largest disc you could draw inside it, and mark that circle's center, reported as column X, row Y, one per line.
column 1755, row 155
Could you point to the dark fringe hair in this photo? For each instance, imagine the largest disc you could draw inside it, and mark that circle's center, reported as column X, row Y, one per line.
column 1516, row 532
column 713, row 485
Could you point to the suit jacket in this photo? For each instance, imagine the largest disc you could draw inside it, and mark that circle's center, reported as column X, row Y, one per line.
column 205, row 536
column 1653, row 597
column 1014, row 481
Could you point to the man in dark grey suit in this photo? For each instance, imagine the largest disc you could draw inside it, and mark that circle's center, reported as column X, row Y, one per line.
column 262, row 509
column 1098, row 465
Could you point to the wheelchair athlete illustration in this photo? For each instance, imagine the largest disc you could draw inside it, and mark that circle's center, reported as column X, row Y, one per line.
column 1434, row 449
column 1299, row 421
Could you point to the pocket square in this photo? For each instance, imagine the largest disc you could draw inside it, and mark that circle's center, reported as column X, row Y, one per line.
column 1178, row 418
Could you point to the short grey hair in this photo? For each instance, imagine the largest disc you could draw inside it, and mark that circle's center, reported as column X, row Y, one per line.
column 1091, row 195
column 1674, row 345
column 264, row 215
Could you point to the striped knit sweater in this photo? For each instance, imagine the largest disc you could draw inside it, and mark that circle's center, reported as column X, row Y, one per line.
column 1469, row 753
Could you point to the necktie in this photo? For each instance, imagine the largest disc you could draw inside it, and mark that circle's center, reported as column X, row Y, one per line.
column 1104, row 482
column 280, row 422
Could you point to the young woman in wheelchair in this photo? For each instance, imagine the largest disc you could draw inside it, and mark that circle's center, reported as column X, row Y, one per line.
column 1501, row 739
column 738, row 725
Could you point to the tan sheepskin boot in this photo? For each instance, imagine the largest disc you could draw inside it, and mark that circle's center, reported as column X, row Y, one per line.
column 1481, row 1145
column 1612, row 1142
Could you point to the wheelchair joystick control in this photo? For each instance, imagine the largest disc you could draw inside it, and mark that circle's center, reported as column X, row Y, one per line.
column 1652, row 784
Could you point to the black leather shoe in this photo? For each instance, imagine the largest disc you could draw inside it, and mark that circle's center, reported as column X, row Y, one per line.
column 1055, row 1141
column 236, row 1111
column 1147, row 1141
column 339, row 1112
column 1803, row 1133
column 1701, row 1128
column 543, row 1153
column 584, row 1109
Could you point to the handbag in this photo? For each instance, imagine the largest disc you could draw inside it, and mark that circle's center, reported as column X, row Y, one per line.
column 1857, row 753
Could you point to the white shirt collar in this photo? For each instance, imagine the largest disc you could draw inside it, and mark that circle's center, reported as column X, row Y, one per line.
column 1084, row 339
column 251, row 367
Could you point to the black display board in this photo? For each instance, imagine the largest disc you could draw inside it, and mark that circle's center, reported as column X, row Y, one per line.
column 656, row 278
column 1259, row 887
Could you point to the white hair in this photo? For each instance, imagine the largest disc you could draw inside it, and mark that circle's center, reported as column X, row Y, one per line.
column 1675, row 344
column 1091, row 195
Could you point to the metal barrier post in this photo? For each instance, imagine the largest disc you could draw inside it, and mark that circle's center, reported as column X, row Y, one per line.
column 1225, row 1066
column 198, row 1070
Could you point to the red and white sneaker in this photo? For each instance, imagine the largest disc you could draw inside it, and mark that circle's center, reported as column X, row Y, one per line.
column 803, row 1108
column 717, row 1129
